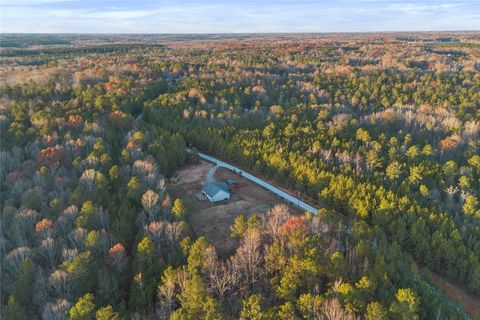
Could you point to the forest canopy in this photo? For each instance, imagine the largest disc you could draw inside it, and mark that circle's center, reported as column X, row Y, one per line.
column 379, row 131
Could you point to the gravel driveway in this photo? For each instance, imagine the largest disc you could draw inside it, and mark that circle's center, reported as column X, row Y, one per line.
column 209, row 174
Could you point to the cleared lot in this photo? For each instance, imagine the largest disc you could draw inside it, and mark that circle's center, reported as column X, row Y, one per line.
column 213, row 220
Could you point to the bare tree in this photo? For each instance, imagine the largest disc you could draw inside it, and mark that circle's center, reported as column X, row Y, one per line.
column 163, row 234
column 156, row 231
column 77, row 238
column 451, row 123
column 14, row 259
column 451, row 191
column 98, row 129
column 359, row 163
column 48, row 250
column 333, row 310
column 471, row 129
column 150, row 203
column 65, row 222
column 173, row 231
column 318, row 225
column 24, row 226
column 463, row 196
column 143, row 168
column 59, row 284
column 56, row 310
column 210, row 258
column 90, row 163
column 161, row 187
column 221, row 277
column 90, row 178
column 344, row 158
column 274, row 219
column 336, row 285
column 248, row 260
column 69, row 254
column 325, row 154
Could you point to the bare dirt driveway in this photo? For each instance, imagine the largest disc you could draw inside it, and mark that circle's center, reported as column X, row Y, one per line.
column 209, row 175
column 467, row 300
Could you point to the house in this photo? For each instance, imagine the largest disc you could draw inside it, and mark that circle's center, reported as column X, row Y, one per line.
column 216, row 191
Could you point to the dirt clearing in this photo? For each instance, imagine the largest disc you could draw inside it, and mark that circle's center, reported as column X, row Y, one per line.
column 214, row 220
column 193, row 173
column 468, row 301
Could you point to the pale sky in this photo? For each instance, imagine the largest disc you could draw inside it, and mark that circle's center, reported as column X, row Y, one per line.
column 236, row 16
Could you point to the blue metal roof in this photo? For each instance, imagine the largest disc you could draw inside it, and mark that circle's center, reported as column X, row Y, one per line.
column 213, row 188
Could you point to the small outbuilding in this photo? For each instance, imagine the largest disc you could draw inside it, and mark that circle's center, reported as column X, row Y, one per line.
column 232, row 184
column 216, row 191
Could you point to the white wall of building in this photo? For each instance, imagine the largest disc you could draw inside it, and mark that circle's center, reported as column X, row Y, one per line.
column 220, row 196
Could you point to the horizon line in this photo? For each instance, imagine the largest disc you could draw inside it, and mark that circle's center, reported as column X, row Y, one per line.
column 246, row 33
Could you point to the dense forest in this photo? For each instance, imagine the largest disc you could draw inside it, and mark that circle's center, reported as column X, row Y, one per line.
column 380, row 131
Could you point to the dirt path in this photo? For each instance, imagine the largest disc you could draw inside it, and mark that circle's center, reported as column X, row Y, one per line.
column 470, row 302
column 209, row 175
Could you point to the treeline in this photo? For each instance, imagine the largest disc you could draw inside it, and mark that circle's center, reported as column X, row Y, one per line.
column 109, row 48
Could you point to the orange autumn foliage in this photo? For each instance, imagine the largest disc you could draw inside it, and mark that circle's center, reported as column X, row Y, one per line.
column 293, row 224
column 119, row 119
column 259, row 89
column 167, row 202
column 50, row 155
column 448, row 144
column 117, row 256
column 116, row 249
column 43, row 225
column 108, row 86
